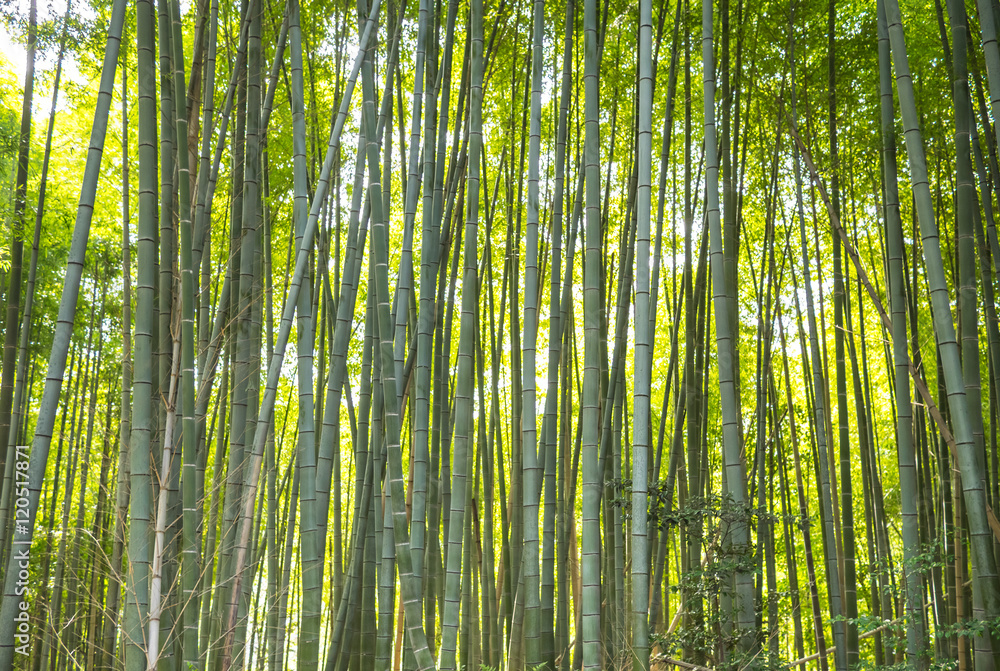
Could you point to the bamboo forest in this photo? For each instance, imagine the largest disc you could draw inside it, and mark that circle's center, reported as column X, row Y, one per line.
column 500, row 335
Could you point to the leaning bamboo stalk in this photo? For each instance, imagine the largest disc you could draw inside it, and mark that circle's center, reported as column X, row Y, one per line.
column 29, row 294
column 274, row 368
column 99, row 526
column 328, row 458
column 940, row 422
column 79, row 534
column 974, row 492
column 991, row 53
column 312, row 569
column 341, row 639
column 787, row 521
column 16, row 417
column 63, row 332
column 410, row 590
column 207, row 179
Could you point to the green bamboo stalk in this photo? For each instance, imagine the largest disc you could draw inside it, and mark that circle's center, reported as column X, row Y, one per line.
column 791, row 558
column 429, row 265
column 98, row 529
column 386, row 569
column 944, row 330
column 532, row 478
column 660, row 564
column 591, row 552
column 642, row 362
column 211, row 533
column 726, row 333
column 207, row 180
column 137, row 591
column 466, row 372
column 273, row 569
column 966, row 210
column 341, row 640
column 553, row 619
column 243, row 417
column 189, row 571
column 167, row 238
column 694, row 404
column 991, row 53
column 986, row 275
column 966, row 213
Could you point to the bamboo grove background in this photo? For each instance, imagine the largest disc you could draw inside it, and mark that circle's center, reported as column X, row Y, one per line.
column 417, row 335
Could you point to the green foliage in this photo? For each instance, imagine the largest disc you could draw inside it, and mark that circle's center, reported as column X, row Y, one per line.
column 971, row 628
column 713, row 510
column 711, row 520
column 711, row 637
column 938, row 665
